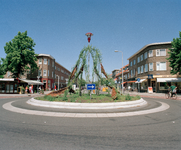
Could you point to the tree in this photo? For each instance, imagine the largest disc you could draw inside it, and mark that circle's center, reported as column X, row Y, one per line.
column 20, row 55
column 2, row 72
column 175, row 55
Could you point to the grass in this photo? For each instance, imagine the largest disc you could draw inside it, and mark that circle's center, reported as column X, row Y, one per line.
column 85, row 98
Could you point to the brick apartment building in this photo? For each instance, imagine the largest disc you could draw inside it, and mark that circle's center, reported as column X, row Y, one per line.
column 150, row 61
column 48, row 73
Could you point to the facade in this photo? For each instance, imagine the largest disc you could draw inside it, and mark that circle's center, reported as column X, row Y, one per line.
column 48, row 73
column 118, row 76
column 150, row 65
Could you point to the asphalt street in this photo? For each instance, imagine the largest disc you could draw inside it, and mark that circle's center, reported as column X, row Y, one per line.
column 158, row 131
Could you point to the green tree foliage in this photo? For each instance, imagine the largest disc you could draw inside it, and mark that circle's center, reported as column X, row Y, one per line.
column 20, row 55
column 175, row 55
column 2, row 72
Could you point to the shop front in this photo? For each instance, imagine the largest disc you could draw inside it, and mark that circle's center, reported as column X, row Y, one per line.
column 8, row 86
column 11, row 85
column 164, row 83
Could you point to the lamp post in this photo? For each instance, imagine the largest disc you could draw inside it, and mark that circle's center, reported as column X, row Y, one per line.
column 122, row 68
column 58, row 81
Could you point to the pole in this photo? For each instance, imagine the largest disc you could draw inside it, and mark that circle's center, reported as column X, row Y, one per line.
column 122, row 72
column 122, row 68
column 58, row 82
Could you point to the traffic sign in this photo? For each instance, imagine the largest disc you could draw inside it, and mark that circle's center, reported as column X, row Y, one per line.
column 150, row 76
column 91, row 86
column 138, row 79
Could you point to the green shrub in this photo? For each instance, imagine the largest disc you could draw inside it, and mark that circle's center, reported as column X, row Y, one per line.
column 64, row 98
column 138, row 97
column 50, row 98
column 128, row 97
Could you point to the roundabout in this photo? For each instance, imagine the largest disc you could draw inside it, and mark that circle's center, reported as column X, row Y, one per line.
column 83, row 110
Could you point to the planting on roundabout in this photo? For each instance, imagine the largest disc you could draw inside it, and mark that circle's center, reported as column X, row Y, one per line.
column 83, row 96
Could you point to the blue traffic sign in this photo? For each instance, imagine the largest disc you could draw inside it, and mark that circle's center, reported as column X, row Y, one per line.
column 150, row 76
column 138, row 79
column 91, row 86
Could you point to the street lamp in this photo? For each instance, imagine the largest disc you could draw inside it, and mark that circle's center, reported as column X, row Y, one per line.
column 122, row 68
column 58, row 81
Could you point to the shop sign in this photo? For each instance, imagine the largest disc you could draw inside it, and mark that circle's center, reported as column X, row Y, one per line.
column 150, row 76
column 150, row 90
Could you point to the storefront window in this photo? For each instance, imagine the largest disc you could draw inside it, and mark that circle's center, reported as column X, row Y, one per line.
column 15, row 88
column 2, row 87
column 7, row 88
column 144, row 85
column 11, row 88
column 164, row 86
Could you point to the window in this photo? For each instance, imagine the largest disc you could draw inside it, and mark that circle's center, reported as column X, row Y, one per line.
column 142, row 68
column 128, row 75
column 134, row 72
column 138, row 59
column 146, row 67
column 161, row 66
column 134, row 62
column 62, row 77
column 40, row 60
column 52, row 64
column 45, row 61
column 142, row 57
column 125, row 76
column 150, row 53
column 48, row 83
column 39, row 72
column 48, row 73
column 138, row 70
column 55, row 67
column 150, row 66
column 161, row 52
column 44, row 72
column 8, row 73
column 48, row 61
column 131, row 73
column 131, row 63
column 145, row 55
column 52, row 73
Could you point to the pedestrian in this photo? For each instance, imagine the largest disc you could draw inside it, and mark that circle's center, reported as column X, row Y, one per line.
column 32, row 89
column 129, row 88
column 26, row 89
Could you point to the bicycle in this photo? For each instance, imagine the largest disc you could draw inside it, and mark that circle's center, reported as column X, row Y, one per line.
column 169, row 95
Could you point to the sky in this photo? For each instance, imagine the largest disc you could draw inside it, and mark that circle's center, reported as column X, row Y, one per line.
column 58, row 27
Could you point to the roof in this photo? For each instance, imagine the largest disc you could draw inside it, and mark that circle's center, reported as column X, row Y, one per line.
column 152, row 44
column 47, row 55
column 123, row 72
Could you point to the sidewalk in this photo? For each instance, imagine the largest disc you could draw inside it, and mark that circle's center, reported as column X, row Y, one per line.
column 22, row 95
column 149, row 95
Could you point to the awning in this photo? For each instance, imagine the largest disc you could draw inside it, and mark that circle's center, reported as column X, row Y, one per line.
column 6, row 79
column 123, row 82
column 168, row 79
column 142, row 80
column 131, row 81
column 31, row 82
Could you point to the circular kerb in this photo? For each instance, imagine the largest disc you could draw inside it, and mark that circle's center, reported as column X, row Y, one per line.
column 69, row 105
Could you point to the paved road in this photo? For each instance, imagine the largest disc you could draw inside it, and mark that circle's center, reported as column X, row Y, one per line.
column 157, row 131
